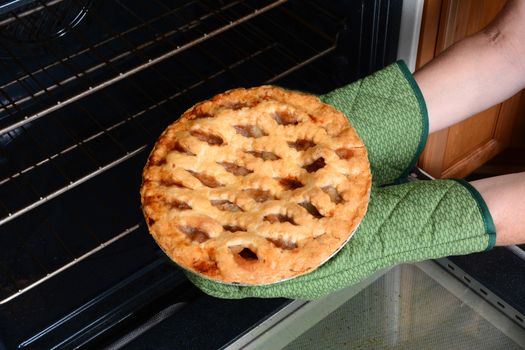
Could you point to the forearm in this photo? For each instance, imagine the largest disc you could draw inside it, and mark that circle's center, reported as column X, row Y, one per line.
column 505, row 198
column 477, row 72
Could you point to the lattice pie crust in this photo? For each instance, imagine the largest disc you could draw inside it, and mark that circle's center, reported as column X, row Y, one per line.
column 256, row 186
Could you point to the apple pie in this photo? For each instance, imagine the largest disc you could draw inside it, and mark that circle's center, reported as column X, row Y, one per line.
column 256, row 186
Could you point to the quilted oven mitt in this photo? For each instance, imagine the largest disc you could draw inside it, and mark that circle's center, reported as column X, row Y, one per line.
column 404, row 223
column 389, row 113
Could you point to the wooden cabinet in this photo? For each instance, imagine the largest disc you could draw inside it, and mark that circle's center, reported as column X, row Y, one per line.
column 458, row 150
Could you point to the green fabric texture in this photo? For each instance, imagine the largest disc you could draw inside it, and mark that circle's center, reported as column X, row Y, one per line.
column 388, row 112
column 409, row 222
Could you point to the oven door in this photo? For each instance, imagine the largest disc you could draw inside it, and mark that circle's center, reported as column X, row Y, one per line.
column 407, row 307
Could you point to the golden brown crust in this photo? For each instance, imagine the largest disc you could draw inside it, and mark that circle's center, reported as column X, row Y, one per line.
column 256, row 185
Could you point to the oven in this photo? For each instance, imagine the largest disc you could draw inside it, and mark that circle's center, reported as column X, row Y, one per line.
column 86, row 87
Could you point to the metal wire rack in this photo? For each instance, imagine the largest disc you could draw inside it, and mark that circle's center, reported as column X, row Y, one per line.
column 93, row 104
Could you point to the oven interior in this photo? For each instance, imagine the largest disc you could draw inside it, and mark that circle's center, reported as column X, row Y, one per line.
column 86, row 87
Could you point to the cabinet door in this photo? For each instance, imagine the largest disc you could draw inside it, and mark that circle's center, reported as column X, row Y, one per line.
column 458, row 150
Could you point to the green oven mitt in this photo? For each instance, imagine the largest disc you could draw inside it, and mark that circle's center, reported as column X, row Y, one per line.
column 389, row 113
column 408, row 222
column 405, row 223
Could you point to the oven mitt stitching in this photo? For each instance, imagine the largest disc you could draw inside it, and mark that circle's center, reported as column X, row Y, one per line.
column 405, row 223
column 389, row 113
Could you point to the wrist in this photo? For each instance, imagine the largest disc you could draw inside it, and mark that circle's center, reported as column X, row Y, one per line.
column 504, row 198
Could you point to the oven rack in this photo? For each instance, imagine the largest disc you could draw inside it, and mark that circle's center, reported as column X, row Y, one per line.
column 108, row 129
column 102, row 62
column 120, row 135
column 221, row 19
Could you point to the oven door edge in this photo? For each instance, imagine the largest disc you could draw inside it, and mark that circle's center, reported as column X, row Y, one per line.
column 411, row 15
